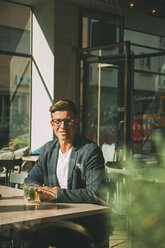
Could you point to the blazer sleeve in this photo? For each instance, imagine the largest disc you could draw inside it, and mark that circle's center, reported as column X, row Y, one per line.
column 43, row 172
column 35, row 176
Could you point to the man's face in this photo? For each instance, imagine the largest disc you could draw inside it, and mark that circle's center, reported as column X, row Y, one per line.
column 65, row 130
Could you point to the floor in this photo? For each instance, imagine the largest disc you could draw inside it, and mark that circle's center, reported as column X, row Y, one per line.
column 120, row 238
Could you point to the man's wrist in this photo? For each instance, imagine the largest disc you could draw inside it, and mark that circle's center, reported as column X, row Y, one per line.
column 55, row 189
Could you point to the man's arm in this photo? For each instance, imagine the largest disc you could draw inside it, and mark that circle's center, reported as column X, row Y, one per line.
column 40, row 174
column 36, row 174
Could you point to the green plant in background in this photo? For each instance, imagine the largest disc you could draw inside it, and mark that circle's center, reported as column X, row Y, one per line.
column 147, row 214
column 146, row 208
column 18, row 143
column 141, row 200
column 26, row 125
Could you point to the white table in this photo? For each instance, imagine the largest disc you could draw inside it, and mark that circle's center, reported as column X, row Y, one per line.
column 13, row 209
column 29, row 158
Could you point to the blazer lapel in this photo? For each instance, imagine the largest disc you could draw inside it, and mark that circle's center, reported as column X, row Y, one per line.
column 53, row 165
column 72, row 162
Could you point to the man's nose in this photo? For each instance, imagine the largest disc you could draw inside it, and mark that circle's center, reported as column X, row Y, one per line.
column 62, row 124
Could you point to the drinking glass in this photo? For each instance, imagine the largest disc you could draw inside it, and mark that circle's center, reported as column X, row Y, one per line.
column 31, row 193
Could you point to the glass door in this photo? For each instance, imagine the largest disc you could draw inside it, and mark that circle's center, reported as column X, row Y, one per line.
column 106, row 90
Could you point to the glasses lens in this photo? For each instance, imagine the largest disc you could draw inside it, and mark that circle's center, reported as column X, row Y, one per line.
column 67, row 122
column 56, row 122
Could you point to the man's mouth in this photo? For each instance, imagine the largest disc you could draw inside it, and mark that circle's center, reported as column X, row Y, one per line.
column 64, row 132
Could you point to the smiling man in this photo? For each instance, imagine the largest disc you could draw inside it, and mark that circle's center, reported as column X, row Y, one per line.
column 71, row 167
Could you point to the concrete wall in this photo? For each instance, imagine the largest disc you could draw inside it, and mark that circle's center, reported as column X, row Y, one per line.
column 66, row 43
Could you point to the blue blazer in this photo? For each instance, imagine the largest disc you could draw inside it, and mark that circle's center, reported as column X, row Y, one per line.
column 86, row 175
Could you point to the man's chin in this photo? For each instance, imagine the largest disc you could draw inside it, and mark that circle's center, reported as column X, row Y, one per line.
column 63, row 137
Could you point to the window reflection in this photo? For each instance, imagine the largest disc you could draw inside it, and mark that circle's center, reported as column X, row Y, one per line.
column 14, row 32
column 15, row 71
column 15, row 97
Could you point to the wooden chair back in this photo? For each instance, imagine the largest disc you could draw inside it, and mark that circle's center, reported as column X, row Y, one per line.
column 10, row 165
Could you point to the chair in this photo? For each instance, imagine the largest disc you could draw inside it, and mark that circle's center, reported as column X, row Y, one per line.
column 61, row 234
column 17, row 179
column 120, row 197
column 119, row 177
column 10, row 165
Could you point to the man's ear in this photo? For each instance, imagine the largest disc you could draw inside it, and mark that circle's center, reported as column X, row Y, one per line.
column 51, row 123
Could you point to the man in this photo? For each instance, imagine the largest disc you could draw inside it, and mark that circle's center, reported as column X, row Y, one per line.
column 71, row 167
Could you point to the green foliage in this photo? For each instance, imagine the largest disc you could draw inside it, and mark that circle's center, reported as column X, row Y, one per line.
column 19, row 140
column 141, row 199
column 146, row 208
column 18, row 143
column 26, row 125
column 147, row 213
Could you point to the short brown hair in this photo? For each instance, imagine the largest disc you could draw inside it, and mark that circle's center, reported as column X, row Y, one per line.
column 62, row 105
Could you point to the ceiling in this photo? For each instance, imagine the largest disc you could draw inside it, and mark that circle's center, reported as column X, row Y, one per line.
column 148, row 7
column 142, row 6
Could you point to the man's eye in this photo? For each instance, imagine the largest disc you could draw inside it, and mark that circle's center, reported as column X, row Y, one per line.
column 67, row 121
column 57, row 121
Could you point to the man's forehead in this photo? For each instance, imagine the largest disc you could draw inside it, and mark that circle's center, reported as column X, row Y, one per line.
column 61, row 113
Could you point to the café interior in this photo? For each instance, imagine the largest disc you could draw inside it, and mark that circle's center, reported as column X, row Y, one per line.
column 107, row 57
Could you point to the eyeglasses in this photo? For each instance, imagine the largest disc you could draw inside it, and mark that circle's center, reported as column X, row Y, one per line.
column 67, row 122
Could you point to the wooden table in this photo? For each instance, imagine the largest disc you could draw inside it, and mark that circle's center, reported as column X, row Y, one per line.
column 13, row 209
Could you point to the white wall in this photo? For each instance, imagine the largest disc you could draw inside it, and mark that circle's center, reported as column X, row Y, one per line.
column 55, row 67
column 42, row 73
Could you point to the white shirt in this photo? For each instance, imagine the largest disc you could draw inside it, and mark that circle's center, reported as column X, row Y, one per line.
column 63, row 167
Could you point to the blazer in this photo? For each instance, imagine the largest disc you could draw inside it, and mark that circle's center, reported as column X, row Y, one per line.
column 86, row 174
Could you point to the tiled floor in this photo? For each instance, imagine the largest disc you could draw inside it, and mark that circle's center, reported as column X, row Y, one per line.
column 119, row 239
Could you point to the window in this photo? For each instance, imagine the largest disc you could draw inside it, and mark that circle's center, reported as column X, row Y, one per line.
column 15, row 71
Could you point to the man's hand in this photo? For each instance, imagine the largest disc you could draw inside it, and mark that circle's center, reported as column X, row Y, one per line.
column 47, row 193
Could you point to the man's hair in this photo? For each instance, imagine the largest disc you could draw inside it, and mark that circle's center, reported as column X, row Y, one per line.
column 62, row 105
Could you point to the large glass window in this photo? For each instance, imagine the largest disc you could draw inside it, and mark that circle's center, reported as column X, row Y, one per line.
column 149, row 95
column 104, row 89
column 15, row 71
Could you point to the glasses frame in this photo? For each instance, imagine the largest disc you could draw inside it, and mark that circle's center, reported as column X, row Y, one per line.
column 63, row 120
